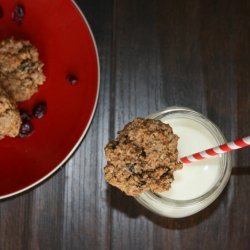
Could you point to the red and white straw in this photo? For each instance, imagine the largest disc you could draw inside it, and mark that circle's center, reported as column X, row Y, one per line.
column 240, row 143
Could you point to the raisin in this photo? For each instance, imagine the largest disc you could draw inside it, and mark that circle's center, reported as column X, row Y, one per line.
column 127, row 140
column 166, row 174
column 143, row 154
column 40, row 110
column 72, row 79
column 18, row 14
column 26, row 129
column 131, row 167
column 26, row 65
column 25, row 116
column 114, row 144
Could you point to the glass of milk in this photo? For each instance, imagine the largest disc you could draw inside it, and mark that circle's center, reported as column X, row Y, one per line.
column 198, row 184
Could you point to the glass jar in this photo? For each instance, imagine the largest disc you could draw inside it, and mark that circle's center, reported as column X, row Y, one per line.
column 177, row 205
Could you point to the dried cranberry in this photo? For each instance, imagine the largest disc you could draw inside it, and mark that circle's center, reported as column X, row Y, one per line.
column 26, row 129
column 1, row 12
column 25, row 116
column 40, row 110
column 72, row 79
column 18, row 14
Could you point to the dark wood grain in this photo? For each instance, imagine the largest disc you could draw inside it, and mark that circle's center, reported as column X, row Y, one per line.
column 153, row 54
column 178, row 53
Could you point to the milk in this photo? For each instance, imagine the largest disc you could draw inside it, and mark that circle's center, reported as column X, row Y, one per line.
column 196, row 178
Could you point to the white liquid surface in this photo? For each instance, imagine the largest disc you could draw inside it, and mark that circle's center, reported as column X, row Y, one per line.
column 195, row 179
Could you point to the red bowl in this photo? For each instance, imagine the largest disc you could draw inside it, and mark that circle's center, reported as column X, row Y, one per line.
column 66, row 45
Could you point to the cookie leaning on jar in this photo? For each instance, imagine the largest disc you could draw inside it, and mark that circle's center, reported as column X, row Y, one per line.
column 143, row 157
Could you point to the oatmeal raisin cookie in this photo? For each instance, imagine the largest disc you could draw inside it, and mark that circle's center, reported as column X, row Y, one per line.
column 143, row 157
column 21, row 71
column 10, row 120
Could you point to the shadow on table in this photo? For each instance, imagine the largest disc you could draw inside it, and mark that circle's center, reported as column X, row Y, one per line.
column 132, row 209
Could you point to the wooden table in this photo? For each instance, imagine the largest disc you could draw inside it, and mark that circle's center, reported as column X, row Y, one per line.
column 153, row 54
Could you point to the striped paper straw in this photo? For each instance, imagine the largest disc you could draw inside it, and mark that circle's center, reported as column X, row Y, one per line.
column 240, row 143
